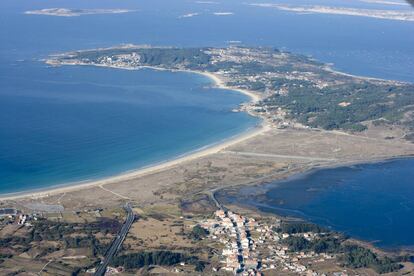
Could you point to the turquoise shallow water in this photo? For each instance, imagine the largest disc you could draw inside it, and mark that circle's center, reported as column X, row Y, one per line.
column 374, row 202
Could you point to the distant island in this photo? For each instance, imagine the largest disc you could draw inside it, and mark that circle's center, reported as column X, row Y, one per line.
column 384, row 2
column 187, row 15
column 75, row 12
column 401, row 15
column 223, row 13
column 291, row 90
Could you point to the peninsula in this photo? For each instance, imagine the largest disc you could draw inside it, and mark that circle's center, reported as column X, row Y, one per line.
column 294, row 90
column 400, row 15
column 174, row 222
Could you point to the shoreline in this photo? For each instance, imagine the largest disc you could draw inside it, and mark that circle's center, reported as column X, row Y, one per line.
column 151, row 169
column 193, row 155
column 218, row 82
column 159, row 166
column 261, row 188
column 187, row 156
column 382, row 14
column 304, row 171
column 330, row 68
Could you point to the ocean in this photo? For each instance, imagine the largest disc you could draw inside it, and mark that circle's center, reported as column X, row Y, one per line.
column 359, row 45
column 69, row 124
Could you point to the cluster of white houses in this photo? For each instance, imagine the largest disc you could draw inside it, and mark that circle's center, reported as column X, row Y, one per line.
column 252, row 247
column 131, row 60
column 233, row 231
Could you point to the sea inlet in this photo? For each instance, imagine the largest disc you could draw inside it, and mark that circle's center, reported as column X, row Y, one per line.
column 373, row 202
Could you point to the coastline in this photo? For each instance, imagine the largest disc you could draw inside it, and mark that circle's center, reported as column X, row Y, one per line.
column 189, row 156
column 305, row 171
column 382, row 14
column 218, row 82
column 329, row 68
column 157, row 167
column 142, row 185
column 226, row 196
column 193, row 155
column 151, row 169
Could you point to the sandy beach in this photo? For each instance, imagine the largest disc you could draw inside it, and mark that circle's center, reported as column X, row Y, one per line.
column 144, row 171
column 69, row 187
column 289, row 151
column 218, row 82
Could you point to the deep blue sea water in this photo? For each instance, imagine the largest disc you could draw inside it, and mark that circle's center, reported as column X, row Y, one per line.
column 373, row 202
column 359, row 45
column 59, row 125
column 70, row 124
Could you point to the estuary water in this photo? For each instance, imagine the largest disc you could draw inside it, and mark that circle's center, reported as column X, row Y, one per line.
column 373, row 202
column 68, row 124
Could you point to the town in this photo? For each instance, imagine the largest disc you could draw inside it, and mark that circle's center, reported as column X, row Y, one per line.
column 118, row 241
column 251, row 247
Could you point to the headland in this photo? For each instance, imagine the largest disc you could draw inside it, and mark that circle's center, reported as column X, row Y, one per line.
column 313, row 116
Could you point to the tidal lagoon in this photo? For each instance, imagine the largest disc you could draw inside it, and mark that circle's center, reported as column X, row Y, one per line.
column 373, row 202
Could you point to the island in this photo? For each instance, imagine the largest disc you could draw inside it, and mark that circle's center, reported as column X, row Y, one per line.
column 170, row 218
column 400, row 15
column 75, row 12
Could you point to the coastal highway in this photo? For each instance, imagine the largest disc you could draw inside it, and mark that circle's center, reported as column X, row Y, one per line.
column 116, row 244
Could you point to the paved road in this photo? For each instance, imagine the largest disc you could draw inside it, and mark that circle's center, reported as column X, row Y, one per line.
column 116, row 244
column 254, row 154
column 212, row 195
